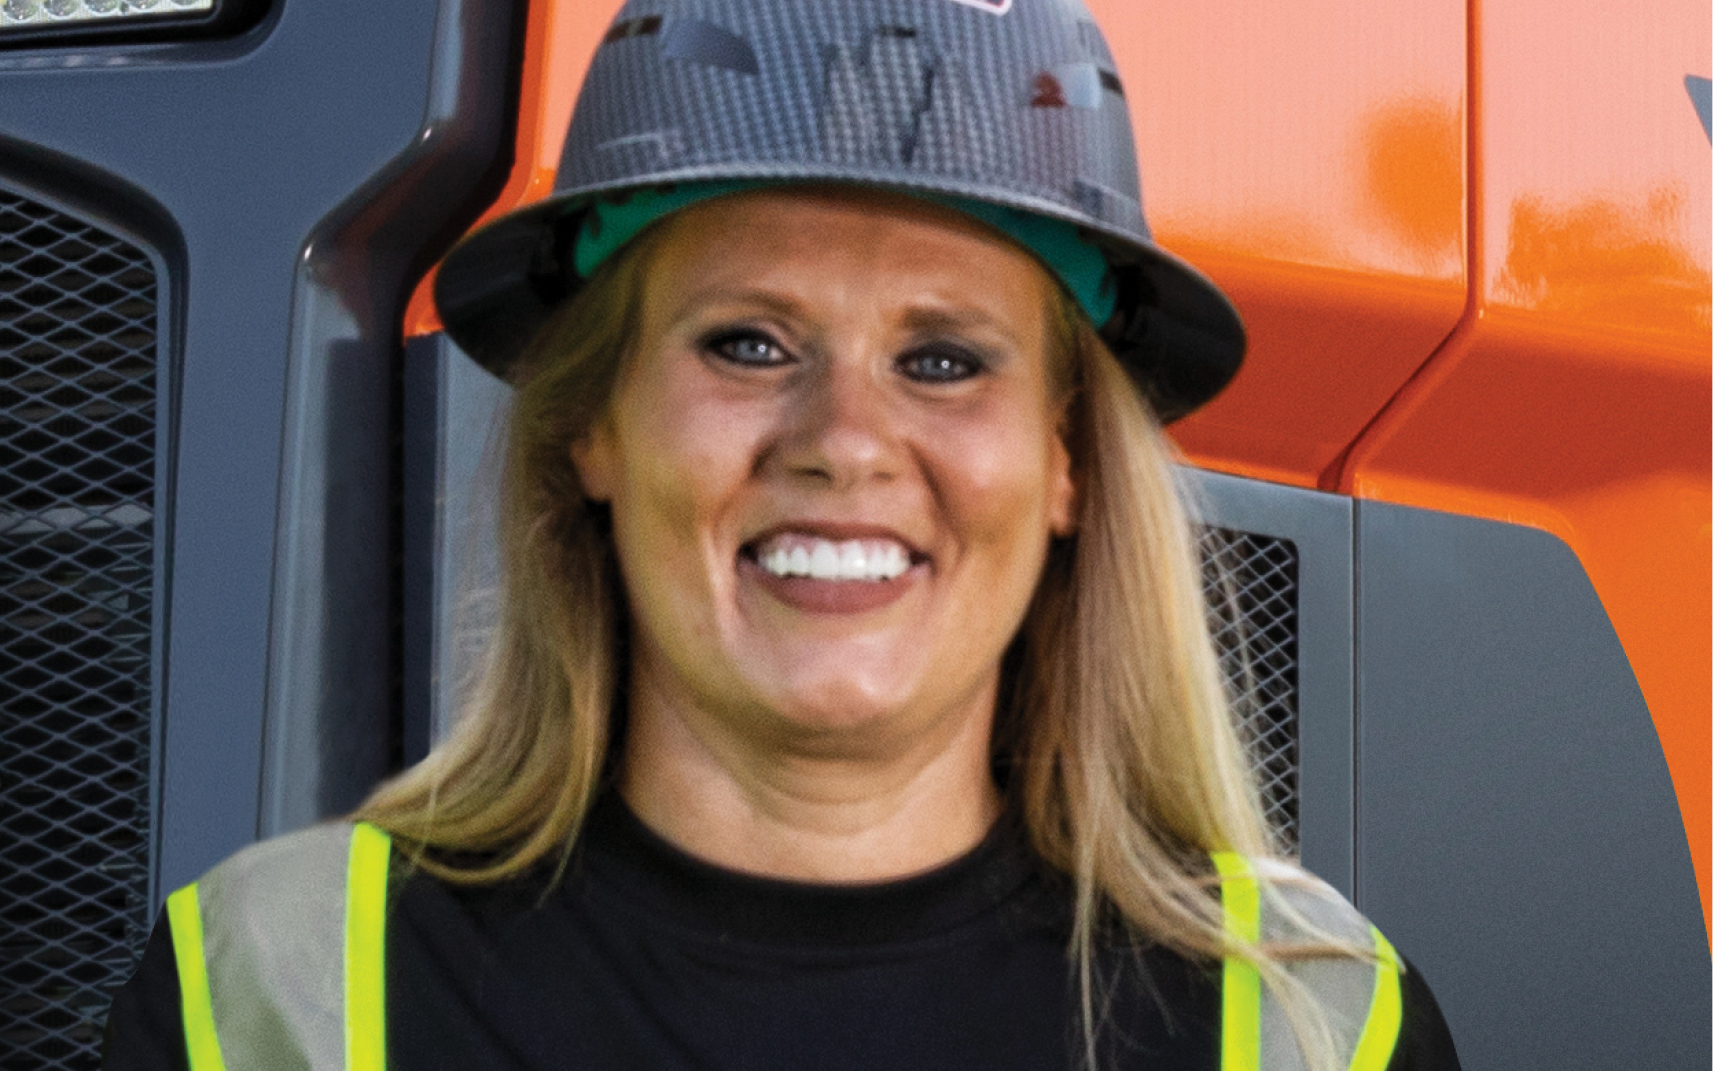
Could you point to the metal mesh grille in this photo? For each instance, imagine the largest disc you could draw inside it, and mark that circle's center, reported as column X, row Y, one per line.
column 77, row 475
column 1251, row 586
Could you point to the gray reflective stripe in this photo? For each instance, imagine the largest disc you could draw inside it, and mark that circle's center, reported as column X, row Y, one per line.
column 1344, row 988
column 273, row 927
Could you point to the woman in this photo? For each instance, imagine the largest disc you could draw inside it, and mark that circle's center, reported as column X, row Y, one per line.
column 851, row 702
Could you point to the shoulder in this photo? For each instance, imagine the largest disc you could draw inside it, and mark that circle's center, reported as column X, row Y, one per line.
column 1311, row 941
column 274, row 942
column 1289, row 904
column 294, row 884
column 1377, row 1003
column 283, row 900
column 294, row 875
column 320, row 853
column 1297, row 905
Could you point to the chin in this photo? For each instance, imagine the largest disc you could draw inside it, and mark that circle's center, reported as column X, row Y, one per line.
column 844, row 705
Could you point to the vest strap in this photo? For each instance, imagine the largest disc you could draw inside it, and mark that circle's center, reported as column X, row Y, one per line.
column 1385, row 1011
column 366, row 950
column 1240, row 1018
column 200, row 1039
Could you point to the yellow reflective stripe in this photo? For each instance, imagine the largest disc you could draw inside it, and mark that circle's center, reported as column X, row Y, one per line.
column 1385, row 1011
column 200, row 1039
column 366, row 950
column 1240, row 1016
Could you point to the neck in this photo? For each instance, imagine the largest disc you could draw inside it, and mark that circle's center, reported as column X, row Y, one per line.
column 828, row 807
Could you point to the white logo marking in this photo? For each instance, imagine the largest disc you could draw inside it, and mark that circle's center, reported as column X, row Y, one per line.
column 992, row 7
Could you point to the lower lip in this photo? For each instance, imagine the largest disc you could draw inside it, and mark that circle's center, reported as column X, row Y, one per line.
column 811, row 596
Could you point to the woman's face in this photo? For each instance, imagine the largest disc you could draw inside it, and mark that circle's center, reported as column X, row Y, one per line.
column 834, row 463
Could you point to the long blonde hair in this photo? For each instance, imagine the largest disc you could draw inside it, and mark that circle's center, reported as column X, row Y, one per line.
column 1115, row 741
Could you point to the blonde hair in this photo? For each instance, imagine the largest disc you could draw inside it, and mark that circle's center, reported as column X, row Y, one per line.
column 1114, row 741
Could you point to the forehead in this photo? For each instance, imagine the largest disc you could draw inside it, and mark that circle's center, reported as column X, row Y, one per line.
column 831, row 240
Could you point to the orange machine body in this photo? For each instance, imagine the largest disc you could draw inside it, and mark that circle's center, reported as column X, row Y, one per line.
column 1470, row 239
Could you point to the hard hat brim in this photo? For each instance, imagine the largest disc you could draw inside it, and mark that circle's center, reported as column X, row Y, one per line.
column 1173, row 329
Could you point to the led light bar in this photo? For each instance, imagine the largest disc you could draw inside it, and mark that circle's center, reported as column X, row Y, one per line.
column 33, row 25
column 40, row 14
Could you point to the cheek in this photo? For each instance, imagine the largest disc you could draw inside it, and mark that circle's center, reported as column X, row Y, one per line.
column 661, row 525
column 685, row 460
column 998, row 481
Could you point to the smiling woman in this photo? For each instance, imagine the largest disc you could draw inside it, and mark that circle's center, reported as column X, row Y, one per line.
column 851, row 703
column 837, row 391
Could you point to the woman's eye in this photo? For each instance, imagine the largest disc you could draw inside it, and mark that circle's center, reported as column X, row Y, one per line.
column 746, row 348
column 941, row 365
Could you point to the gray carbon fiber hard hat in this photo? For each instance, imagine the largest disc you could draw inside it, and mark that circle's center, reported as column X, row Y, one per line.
column 1011, row 102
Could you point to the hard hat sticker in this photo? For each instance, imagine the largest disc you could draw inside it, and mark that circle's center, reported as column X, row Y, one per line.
column 992, row 7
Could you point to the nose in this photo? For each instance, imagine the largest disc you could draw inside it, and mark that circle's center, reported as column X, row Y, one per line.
column 842, row 430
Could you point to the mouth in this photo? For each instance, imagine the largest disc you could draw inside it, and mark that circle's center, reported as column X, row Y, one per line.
column 793, row 553
column 832, row 571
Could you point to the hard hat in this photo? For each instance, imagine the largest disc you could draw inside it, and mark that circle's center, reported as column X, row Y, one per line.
column 1010, row 110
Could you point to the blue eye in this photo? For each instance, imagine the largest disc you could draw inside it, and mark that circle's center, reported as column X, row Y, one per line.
column 749, row 348
column 941, row 364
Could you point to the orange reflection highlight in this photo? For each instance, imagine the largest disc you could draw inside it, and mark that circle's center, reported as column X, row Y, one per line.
column 1606, row 261
column 1413, row 176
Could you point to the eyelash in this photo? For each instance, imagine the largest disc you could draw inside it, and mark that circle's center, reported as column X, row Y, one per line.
column 942, row 354
column 721, row 344
column 951, row 363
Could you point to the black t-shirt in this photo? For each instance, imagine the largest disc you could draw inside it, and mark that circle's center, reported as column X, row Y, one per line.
column 644, row 957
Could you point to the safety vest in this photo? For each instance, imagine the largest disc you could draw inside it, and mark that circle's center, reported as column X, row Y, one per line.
column 254, row 939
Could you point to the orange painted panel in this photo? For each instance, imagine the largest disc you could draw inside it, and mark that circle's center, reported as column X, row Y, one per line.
column 1309, row 157
column 1575, row 397
column 560, row 39
column 1595, row 175
column 1327, row 349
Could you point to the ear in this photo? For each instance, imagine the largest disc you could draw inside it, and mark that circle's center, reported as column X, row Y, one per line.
column 595, row 457
column 1062, row 497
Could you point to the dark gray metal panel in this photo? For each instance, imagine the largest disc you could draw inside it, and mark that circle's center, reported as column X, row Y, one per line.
column 459, row 413
column 1517, row 832
column 332, row 675
column 251, row 146
column 420, row 448
column 1320, row 526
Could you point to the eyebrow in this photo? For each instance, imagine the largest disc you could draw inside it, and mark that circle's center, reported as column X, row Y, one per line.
column 766, row 300
column 918, row 319
column 931, row 320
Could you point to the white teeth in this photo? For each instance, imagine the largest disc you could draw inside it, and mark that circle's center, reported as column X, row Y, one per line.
column 824, row 559
column 852, row 560
column 824, row 562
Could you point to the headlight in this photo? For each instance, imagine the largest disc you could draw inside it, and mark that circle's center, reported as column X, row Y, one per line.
column 42, row 23
column 63, row 12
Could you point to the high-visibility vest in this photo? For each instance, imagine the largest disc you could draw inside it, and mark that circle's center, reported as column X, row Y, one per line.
column 253, row 940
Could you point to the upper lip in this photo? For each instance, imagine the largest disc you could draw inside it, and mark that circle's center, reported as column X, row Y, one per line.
column 836, row 531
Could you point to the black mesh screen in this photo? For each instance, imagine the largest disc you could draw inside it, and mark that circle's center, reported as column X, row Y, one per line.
column 77, row 512
column 1251, row 584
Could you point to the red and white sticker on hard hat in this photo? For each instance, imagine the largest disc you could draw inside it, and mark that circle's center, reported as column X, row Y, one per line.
column 992, row 7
